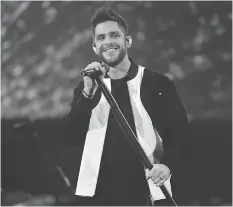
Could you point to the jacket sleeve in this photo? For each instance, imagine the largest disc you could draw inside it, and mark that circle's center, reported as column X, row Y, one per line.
column 76, row 122
column 175, row 125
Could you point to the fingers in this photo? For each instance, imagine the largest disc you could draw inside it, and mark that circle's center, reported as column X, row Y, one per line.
column 103, row 68
column 158, row 179
column 92, row 65
column 160, row 182
column 158, row 174
column 96, row 66
column 151, row 172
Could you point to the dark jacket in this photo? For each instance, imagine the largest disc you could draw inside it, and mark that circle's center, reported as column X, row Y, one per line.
column 160, row 99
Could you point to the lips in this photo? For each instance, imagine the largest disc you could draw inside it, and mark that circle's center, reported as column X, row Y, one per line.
column 110, row 49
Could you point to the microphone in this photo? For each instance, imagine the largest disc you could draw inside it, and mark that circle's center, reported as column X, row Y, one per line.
column 93, row 72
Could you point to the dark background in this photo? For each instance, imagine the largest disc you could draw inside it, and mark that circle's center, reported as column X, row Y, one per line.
column 46, row 44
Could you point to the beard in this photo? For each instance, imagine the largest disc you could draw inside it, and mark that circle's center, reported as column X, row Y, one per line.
column 115, row 60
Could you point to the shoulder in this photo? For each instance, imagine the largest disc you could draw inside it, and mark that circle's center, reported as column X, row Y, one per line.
column 78, row 89
column 157, row 79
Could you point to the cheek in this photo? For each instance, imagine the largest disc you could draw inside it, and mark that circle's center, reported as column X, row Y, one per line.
column 124, row 44
column 97, row 49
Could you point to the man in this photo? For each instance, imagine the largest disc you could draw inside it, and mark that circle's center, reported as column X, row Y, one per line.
column 111, row 173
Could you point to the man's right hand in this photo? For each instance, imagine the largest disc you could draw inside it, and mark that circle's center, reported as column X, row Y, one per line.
column 90, row 84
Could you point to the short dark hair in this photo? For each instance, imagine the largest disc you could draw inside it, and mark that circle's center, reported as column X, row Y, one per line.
column 104, row 14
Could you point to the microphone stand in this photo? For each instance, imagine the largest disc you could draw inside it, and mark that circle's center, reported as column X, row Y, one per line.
column 128, row 131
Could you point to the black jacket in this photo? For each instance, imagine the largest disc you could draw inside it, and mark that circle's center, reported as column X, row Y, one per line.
column 160, row 99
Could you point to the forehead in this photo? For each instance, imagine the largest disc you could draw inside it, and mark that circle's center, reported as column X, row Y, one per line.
column 106, row 27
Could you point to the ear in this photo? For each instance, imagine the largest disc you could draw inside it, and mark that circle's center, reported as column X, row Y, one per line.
column 94, row 48
column 128, row 41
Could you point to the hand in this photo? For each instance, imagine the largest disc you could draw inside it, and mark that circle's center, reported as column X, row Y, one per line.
column 90, row 84
column 158, row 174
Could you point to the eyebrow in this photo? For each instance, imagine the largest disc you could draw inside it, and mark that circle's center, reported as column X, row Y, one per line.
column 112, row 32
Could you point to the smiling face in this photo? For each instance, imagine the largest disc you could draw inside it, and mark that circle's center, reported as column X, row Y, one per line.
column 110, row 43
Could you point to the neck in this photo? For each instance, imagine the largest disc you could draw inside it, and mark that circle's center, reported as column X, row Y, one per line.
column 121, row 69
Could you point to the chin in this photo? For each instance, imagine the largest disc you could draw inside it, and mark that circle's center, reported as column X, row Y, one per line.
column 111, row 62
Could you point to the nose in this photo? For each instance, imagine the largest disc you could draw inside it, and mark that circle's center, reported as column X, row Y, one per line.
column 108, row 40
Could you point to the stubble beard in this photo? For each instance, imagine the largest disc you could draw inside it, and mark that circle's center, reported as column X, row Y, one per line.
column 116, row 61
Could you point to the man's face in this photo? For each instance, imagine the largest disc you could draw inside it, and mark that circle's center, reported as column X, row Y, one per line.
column 110, row 43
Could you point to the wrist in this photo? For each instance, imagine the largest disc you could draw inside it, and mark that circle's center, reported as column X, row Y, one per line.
column 87, row 94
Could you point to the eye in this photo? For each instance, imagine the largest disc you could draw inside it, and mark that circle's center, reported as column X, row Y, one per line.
column 100, row 38
column 115, row 35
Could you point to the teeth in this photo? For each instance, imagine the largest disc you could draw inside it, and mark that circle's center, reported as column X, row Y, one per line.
column 111, row 49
